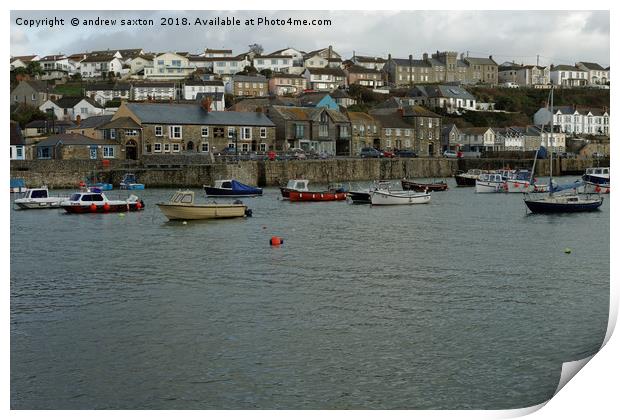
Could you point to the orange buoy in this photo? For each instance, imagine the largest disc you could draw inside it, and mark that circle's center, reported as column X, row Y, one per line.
column 607, row 190
column 516, row 185
column 82, row 184
column 93, row 207
column 106, row 207
column 597, row 189
column 276, row 241
column 139, row 205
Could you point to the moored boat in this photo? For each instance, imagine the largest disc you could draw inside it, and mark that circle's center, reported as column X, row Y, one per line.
column 130, row 182
column 18, row 185
column 599, row 176
column 317, row 196
column 570, row 203
column 491, row 183
column 231, row 188
column 294, row 185
column 181, row 206
column 363, row 196
column 467, row 179
column 38, row 198
column 388, row 197
column 422, row 186
column 94, row 201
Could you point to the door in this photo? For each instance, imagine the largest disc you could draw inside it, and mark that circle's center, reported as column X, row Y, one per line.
column 190, row 146
column 431, row 149
column 131, row 150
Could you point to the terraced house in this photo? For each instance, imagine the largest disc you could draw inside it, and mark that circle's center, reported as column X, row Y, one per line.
column 148, row 128
column 365, row 131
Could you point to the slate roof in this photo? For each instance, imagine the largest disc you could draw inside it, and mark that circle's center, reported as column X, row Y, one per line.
column 366, row 59
column 24, row 58
column 95, row 121
column 122, row 122
column 418, row 111
column 480, row 61
column 308, row 114
column 564, row 67
column 38, row 85
column 360, row 117
column 73, row 139
column 98, row 59
column 405, row 62
column 477, row 131
column 442, row 91
column 46, row 123
column 194, row 114
column 209, row 50
column 244, row 78
column 592, row 66
column 72, row 101
column 52, row 57
column 391, row 120
column 204, row 83
column 337, row 72
column 360, row 69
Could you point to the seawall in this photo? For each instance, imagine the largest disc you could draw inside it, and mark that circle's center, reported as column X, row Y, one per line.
column 68, row 173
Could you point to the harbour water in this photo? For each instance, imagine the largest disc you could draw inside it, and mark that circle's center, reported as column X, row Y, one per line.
column 465, row 303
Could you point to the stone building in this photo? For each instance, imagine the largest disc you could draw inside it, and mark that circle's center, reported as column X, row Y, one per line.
column 250, row 85
column 76, row 146
column 365, row 131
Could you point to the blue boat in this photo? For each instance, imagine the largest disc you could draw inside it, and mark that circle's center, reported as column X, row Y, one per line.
column 103, row 186
column 130, row 182
column 18, row 185
column 231, row 188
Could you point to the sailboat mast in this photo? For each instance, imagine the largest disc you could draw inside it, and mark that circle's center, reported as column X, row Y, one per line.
column 550, row 149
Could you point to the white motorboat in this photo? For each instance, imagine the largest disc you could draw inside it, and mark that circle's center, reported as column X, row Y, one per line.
column 491, row 183
column 182, row 207
column 386, row 197
column 39, row 198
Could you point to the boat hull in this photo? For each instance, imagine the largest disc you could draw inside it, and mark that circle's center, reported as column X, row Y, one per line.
column 224, row 192
column 421, row 187
column 595, row 179
column 47, row 204
column 465, row 181
column 101, row 208
column 593, row 188
column 385, row 198
column 202, row 211
column 359, row 197
column 539, row 206
column 132, row 186
column 316, row 196
column 518, row 186
column 490, row 187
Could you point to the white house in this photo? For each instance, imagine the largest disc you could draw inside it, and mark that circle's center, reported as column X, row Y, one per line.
column 273, row 62
column 568, row 76
column 137, row 64
column 325, row 78
column 99, row 65
column 572, row 120
column 315, row 61
column 70, row 108
column 230, row 65
column 451, row 98
column 168, row 66
column 102, row 93
column 193, row 88
column 153, row 90
column 596, row 74
column 510, row 138
column 529, row 75
column 22, row 61
column 373, row 63
column 213, row 53
column 298, row 56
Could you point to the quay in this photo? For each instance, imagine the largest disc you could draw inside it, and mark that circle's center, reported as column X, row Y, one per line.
column 187, row 172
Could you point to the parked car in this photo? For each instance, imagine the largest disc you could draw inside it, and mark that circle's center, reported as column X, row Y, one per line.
column 228, row 151
column 296, row 153
column 450, row 154
column 370, row 152
column 387, row 153
column 406, row 153
column 510, row 85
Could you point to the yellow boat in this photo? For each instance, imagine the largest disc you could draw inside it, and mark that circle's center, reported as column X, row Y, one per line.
column 182, row 207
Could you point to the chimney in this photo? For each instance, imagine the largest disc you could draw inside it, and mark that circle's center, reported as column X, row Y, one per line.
column 389, row 57
column 206, row 103
column 329, row 52
column 400, row 111
column 490, row 57
column 462, row 56
column 78, row 120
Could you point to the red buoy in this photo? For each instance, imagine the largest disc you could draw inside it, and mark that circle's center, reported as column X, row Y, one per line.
column 276, row 241
column 106, row 207
column 93, row 207
column 138, row 205
column 607, row 190
column 597, row 189
column 82, row 184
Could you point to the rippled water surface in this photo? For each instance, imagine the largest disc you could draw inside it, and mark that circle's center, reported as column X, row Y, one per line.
column 466, row 302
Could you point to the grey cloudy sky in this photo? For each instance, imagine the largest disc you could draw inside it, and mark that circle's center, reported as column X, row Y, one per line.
column 560, row 37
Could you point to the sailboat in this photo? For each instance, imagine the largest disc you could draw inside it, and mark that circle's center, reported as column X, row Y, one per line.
column 564, row 203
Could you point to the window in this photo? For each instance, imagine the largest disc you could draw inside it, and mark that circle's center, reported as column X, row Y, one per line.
column 176, row 132
column 18, row 152
column 159, row 131
column 323, row 130
column 83, row 110
column 231, row 146
column 263, row 147
column 157, row 147
column 388, row 131
column 246, row 133
column 34, row 97
column 397, row 132
column 299, row 131
column 176, row 147
column 231, row 132
column 205, row 132
column 263, row 132
column 205, row 147
column 108, row 151
column 131, row 132
column 388, row 143
column 407, row 132
column 148, row 148
column 245, row 147
column 113, row 133
column 166, row 147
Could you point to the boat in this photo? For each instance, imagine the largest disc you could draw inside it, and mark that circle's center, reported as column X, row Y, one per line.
column 231, row 188
column 517, row 181
column 181, row 206
column 294, row 185
column 18, row 185
column 328, row 195
column 93, row 200
column 363, row 196
column 92, row 181
column 129, row 182
column 467, row 179
column 39, row 198
column 388, row 197
column 596, row 180
column 563, row 203
column 421, row 187
column 491, row 183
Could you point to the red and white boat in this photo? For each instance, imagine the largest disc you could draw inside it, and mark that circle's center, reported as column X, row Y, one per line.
column 317, row 196
column 298, row 185
column 94, row 201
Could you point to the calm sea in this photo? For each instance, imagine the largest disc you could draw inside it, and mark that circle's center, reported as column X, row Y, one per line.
column 464, row 303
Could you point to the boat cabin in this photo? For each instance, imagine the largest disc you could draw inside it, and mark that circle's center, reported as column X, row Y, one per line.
column 182, row 197
column 88, row 196
column 37, row 193
column 597, row 171
column 223, row 183
column 298, row 184
column 491, row 178
column 129, row 178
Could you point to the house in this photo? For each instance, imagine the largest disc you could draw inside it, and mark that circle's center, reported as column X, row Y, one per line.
column 314, row 61
column 477, row 139
column 286, row 84
column 277, row 63
column 320, row 130
column 427, row 126
column 525, row 76
column 317, row 100
column 255, row 85
column 76, row 146
column 448, row 67
column 200, row 62
column 32, row 92
column 168, row 66
column 71, row 108
column 575, row 120
column 191, row 88
column 148, row 128
column 18, row 144
column 372, row 63
column 395, row 132
column 595, row 73
column 89, row 127
column 450, row 137
column 22, row 60
column 297, row 56
column 99, row 66
column 212, row 53
column 364, row 76
column 42, row 128
column 342, row 98
column 75, row 61
column 229, row 65
column 104, row 92
column 153, row 91
column 481, row 70
column 451, row 98
column 325, row 78
column 138, row 63
column 365, row 131
column 406, row 72
column 568, row 76
column 55, row 67
column 125, row 55
column 536, row 137
column 510, row 138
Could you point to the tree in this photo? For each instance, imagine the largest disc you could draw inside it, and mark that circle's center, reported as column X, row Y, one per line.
column 34, row 68
column 267, row 73
column 248, row 70
column 256, row 49
column 76, row 77
column 26, row 113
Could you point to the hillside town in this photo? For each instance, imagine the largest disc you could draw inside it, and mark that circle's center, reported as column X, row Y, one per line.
column 289, row 103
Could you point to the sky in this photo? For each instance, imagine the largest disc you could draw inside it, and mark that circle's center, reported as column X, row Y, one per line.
column 558, row 37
